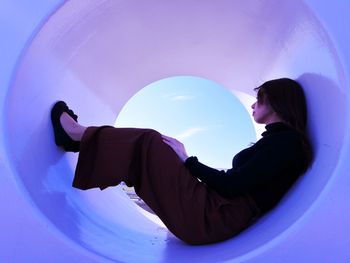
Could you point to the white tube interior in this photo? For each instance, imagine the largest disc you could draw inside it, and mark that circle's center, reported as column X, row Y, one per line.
column 97, row 55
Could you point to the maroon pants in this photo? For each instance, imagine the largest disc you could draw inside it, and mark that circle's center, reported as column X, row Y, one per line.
column 190, row 210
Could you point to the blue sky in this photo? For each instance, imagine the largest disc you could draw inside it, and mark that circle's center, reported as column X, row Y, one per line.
column 210, row 121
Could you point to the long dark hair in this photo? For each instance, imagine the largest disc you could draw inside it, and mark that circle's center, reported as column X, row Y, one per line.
column 286, row 97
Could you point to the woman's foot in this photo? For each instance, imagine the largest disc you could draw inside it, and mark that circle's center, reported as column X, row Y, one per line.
column 67, row 131
column 73, row 129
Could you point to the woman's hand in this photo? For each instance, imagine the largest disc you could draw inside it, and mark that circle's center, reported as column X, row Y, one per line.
column 177, row 146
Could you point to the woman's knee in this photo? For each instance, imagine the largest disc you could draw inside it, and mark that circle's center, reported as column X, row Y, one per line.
column 153, row 135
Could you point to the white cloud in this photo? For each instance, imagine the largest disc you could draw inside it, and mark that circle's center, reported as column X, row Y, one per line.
column 182, row 98
column 174, row 96
column 189, row 132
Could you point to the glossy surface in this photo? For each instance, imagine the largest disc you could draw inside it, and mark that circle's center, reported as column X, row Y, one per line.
column 96, row 55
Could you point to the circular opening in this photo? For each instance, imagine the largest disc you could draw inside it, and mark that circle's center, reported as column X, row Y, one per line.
column 212, row 122
column 97, row 55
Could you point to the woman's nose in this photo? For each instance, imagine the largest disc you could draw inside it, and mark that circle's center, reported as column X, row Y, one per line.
column 253, row 105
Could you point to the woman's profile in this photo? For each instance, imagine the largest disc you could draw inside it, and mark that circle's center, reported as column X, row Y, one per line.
column 197, row 203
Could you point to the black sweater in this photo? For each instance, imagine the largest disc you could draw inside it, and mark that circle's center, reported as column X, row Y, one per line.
column 265, row 170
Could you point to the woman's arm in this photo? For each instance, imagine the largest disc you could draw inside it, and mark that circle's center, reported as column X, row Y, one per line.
column 270, row 160
column 266, row 163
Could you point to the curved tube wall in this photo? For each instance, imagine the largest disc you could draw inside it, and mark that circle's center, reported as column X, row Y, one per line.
column 97, row 55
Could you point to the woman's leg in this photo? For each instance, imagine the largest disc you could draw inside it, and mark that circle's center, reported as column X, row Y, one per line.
column 72, row 128
column 141, row 159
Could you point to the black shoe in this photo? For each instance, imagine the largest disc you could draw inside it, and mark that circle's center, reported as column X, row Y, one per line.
column 62, row 139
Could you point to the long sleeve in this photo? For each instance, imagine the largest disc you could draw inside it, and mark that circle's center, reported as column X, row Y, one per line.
column 263, row 163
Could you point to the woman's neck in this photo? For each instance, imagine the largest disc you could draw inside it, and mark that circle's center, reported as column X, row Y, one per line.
column 273, row 119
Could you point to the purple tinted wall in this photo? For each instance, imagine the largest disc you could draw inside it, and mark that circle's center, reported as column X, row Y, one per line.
column 101, row 53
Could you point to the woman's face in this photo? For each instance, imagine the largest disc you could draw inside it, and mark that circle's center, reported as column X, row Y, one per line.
column 263, row 113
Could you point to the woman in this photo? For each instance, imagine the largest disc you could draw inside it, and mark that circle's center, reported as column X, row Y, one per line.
column 220, row 204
